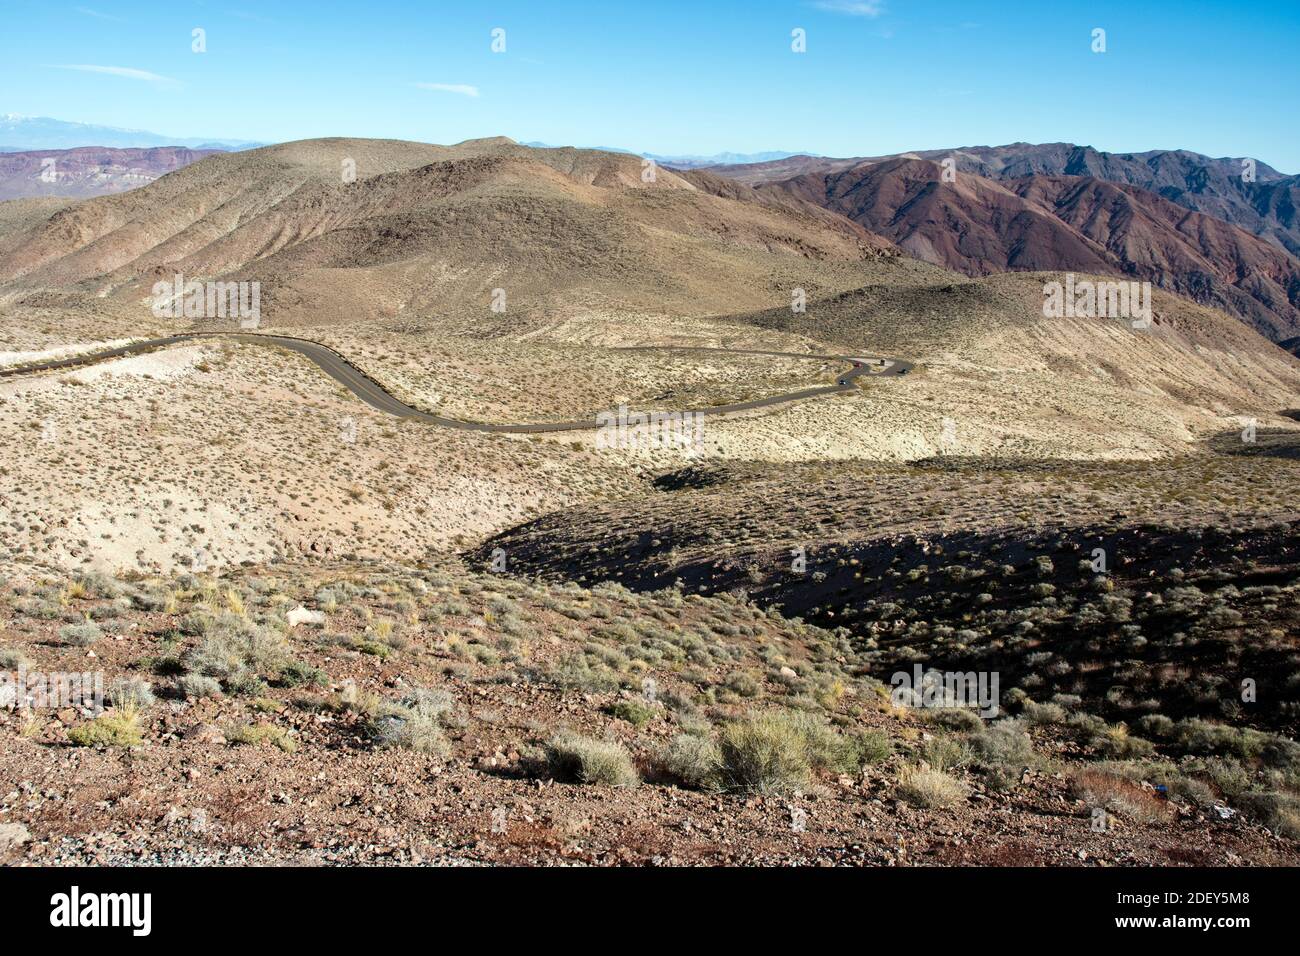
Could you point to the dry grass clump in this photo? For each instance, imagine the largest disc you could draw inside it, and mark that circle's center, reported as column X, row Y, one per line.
column 11, row 658
column 118, row 729
column 414, row 723
column 130, row 692
column 574, row 757
column 930, row 788
column 1120, row 796
column 635, row 712
column 694, row 760
column 776, row 751
column 240, row 654
column 259, row 734
column 81, row 635
column 198, row 686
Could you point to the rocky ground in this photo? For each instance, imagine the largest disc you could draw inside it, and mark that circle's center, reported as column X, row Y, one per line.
column 445, row 715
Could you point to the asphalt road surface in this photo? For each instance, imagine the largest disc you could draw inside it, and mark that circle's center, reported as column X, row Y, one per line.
column 376, row 396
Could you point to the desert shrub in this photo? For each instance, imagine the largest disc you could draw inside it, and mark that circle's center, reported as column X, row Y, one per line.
column 1110, row 740
column 410, row 730
column 775, row 751
column 432, row 701
column 98, row 585
column 374, row 648
column 413, row 723
column 1118, row 795
column 578, row 673
column 946, row 753
column 827, row 748
column 582, row 759
column 1280, row 812
column 1156, row 725
column 874, row 746
column 1205, row 737
column 635, row 712
column 196, row 623
column 298, row 674
column 954, row 718
column 930, row 788
column 197, row 685
column 258, row 734
column 130, row 692
column 43, row 610
column 743, row 684
column 148, row 601
column 238, row 653
column 80, row 635
column 1037, row 713
column 244, row 682
column 1194, row 791
column 1003, row 745
column 11, row 658
column 695, row 760
column 118, row 729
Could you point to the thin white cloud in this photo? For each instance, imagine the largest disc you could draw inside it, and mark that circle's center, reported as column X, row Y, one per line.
column 462, row 89
column 126, row 71
column 98, row 15
column 852, row 8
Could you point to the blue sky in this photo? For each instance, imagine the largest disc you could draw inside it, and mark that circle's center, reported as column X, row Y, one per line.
column 670, row 77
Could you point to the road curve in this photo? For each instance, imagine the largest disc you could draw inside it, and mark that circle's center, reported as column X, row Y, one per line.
column 376, row 396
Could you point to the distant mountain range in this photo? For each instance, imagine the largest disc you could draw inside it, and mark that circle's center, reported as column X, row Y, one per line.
column 88, row 170
column 424, row 227
column 30, row 133
column 693, row 161
column 1189, row 223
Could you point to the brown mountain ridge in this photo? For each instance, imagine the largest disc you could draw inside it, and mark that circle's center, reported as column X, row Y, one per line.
column 978, row 226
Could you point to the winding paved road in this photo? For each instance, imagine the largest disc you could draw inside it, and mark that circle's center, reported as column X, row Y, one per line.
column 376, row 396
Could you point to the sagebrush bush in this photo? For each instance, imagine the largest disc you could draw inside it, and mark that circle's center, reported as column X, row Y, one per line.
column 1048, row 713
column 1122, row 797
column 695, row 760
column 98, row 584
column 874, row 746
column 1156, row 725
column 413, row 723
column 1003, row 745
column 118, row 729
column 410, row 730
column 635, row 712
column 582, row 759
column 954, row 718
column 258, row 734
column 130, row 692
column 946, row 753
column 80, row 635
column 197, row 685
column 1280, row 812
column 930, row 788
column 775, row 751
column 241, row 654
column 11, row 658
